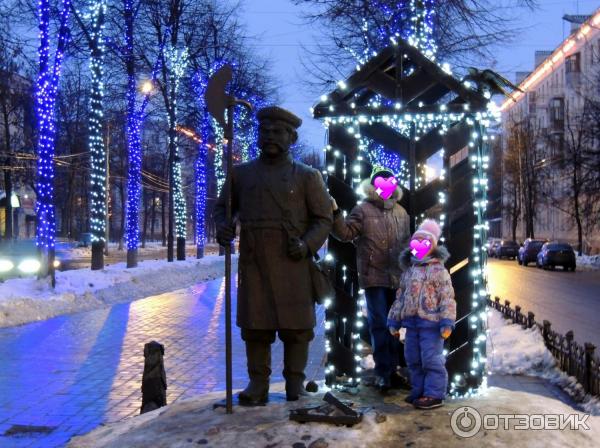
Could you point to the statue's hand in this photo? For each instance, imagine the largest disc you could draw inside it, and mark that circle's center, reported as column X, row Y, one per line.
column 297, row 249
column 225, row 234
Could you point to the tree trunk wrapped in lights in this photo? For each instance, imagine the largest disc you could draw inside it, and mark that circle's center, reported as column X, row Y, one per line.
column 176, row 62
column 200, row 83
column 96, row 144
column 135, row 119
column 46, row 92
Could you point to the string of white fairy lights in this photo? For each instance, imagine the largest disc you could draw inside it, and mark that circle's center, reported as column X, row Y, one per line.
column 421, row 37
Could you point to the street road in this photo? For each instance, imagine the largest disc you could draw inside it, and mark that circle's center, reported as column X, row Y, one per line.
column 569, row 300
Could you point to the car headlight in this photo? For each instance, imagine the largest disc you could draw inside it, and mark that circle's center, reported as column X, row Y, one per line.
column 6, row 265
column 29, row 266
column 56, row 263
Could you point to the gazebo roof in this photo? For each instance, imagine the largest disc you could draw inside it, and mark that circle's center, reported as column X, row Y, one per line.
column 409, row 84
column 402, row 74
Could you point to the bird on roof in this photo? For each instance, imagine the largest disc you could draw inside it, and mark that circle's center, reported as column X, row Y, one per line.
column 491, row 81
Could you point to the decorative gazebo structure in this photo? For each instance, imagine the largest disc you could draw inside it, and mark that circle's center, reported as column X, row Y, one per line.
column 412, row 107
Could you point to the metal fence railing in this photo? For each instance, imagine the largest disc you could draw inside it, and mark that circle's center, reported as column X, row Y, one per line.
column 572, row 358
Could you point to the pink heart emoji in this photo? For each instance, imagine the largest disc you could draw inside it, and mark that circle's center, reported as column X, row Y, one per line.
column 420, row 248
column 385, row 187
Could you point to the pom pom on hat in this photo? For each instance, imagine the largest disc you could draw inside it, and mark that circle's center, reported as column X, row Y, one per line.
column 429, row 228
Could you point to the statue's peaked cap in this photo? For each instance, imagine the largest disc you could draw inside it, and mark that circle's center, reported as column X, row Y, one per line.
column 278, row 113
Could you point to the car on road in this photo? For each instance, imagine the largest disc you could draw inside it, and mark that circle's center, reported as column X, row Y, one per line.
column 555, row 254
column 20, row 258
column 492, row 244
column 529, row 251
column 508, row 249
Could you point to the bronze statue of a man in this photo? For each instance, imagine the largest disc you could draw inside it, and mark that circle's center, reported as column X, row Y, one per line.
column 285, row 216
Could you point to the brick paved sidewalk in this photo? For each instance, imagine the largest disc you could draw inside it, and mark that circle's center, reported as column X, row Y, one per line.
column 74, row 372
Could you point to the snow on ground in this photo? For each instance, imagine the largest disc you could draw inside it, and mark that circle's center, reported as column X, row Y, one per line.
column 86, row 252
column 516, row 351
column 588, row 262
column 388, row 422
column 25, row 300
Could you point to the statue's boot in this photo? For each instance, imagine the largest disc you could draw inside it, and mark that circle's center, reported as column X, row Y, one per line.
column 295, row 357
column 258, row 355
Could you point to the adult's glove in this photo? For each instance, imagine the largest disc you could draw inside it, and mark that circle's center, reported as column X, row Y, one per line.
column 225, row 234
column 297, row 249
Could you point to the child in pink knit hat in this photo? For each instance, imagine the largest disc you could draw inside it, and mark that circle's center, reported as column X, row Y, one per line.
column 425, row 306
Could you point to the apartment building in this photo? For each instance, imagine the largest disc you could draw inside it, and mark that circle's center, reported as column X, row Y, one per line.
column 548, row 111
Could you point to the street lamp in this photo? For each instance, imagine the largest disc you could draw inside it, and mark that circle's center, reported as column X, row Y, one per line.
column 147, row 87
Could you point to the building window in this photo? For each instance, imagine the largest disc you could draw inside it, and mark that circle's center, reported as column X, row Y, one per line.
column 595, row 52
column 557, row 112
column 573, row 63
column 532, row 102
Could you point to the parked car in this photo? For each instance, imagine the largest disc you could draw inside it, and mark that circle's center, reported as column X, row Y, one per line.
column 529, row 250
column 492, row 244
column 556, row 254
column 508, row 249
column 20, row 258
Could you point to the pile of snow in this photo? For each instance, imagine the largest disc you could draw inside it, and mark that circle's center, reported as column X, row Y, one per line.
column 152, row 247
column 588, row 262
column 25, row 300
column 516, row 351
column 388, row 422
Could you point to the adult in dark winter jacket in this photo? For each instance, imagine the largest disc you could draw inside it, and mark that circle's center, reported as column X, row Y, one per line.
column 285, row 216
column 380, row 230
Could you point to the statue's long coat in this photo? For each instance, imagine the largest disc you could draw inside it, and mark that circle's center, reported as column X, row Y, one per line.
column 274, row 291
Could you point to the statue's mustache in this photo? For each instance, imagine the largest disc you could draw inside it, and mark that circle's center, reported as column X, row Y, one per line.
column 270, row 143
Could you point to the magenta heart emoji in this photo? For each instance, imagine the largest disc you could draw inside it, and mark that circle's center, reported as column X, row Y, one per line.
column 385, row 187
column 419, row 248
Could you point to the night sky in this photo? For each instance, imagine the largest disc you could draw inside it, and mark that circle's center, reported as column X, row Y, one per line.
column 280, row 33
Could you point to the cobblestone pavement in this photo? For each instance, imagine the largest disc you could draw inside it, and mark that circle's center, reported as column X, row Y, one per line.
column 72, row 373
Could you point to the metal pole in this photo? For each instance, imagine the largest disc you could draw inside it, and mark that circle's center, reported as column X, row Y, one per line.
column 228, row 190
column 107, row 196
column 413, row 177
column 170, row 238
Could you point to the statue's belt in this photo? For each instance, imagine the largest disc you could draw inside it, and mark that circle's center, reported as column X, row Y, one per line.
column 266, row 224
